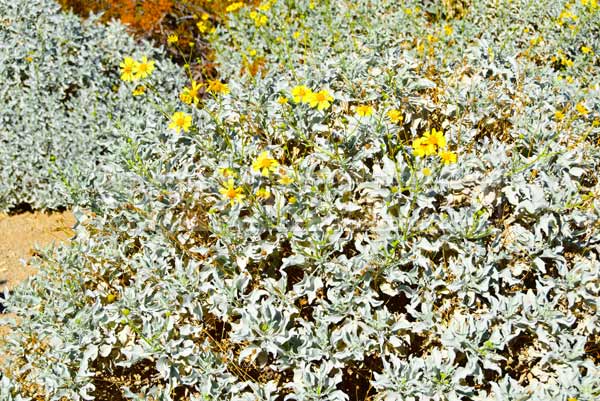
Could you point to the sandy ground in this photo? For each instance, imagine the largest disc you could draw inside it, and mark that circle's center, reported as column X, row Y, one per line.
column 19, row 236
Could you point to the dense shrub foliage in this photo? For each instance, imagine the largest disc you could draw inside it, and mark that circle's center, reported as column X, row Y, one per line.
column 379, row 202
column 64, row 115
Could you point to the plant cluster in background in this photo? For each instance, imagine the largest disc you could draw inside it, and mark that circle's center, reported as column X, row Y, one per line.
column 64, row 116
column 402, row 205
column 185, row 24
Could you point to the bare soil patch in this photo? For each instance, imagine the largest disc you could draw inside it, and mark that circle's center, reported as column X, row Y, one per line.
column 20, row 235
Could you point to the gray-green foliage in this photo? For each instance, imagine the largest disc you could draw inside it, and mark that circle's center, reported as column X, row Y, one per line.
column 64, row 114
column 477, row 280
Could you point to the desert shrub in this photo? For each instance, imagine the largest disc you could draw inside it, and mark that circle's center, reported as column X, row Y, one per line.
column 397, row 207
column 65, row 114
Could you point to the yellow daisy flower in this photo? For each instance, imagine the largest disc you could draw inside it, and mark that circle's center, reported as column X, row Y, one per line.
column 144, row 68
column 234, row 7
column 140, row 90
column 265, row 7
column 301, row 93
column 321, row 99
column 202, row 26
column 231, row 192
column 422, row 148
column 173, row 38
column 261, row 21
column 265, row 164
column 435, row 138
column 263, row 193
column 127, row 69
column 286, row 180
column 447, row 156
column 227, row 172
column 364, row 110
column 191, row 95
column 180, row 121
column 215, row 86
column 581, row 109
column 395, row 116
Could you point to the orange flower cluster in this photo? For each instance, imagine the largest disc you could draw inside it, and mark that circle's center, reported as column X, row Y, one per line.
column 159, row 19
column 141, row 16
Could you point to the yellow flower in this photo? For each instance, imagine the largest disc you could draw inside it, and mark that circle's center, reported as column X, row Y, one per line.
column 265, row 7
column 292, row 200
column 180, row 121
column 190, row 95
column 364, row 110
column 226, row 172
column 127, row 69
column 566, row 61
column 263, row 193
column 559, row 115
column 261, row 21
column 321, row 99
column 581, row 109
column 447, row 156
column 282, row 100
column 448, row 30
column 536, row 41
column 286, row 180
column 202, row 26
column 140, row 90
column 144, row 68
column 586, row 50
column 232, row 193
column 426, row 171
column 435, row 138
column 422, row 148
column 296, row 35
column 205, row 16
column 234, row 7
column 264, row 163
column 216, row 86
column 173, row 38
column 301, row 93
column 395, row 116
